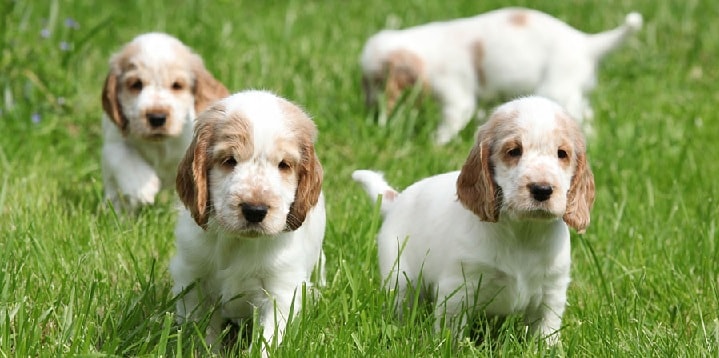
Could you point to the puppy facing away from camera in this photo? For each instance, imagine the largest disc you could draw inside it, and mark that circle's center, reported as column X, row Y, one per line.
column 492, row 238
column 153, row 90
column 502, row 53
column 251, row 232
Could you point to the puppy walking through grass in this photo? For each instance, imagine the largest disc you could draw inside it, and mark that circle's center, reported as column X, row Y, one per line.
column 494, row 236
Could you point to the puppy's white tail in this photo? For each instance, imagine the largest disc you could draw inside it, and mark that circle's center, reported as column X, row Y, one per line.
column 602, row 43
column 374, row 184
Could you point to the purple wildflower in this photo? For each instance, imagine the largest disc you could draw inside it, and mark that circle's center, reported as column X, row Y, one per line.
column 45, row 33
column 71, row 23
column 35, row 118
column 64, row 46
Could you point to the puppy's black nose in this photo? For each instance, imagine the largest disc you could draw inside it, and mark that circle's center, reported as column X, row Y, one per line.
column 156, row 119
column 540, row 191
column 254, row 213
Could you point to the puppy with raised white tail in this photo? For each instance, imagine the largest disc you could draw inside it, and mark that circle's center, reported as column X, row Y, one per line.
column 502, row 53
column 494, row 236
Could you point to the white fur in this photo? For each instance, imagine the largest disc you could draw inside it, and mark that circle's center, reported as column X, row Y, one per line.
column 242, row 265
column 523, row 52
column 141, row 159
column 519, row 264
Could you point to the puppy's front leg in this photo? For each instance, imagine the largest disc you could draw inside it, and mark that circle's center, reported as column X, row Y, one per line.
column 451, row 306
column 546, row 318
column 273, row 316
column 136, row 181
column 458, row 105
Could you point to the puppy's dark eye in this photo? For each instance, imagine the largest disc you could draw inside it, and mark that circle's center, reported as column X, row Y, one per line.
column 135, row 85
column 515, row 152
column 177, row 86
column 284, row 166
column 229, row 162
column 562, row 154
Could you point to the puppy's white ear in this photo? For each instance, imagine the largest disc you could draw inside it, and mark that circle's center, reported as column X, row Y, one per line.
column 581, row 195
column 111, row 103
column 207, row 89
column 191, row 182
column 476, row 188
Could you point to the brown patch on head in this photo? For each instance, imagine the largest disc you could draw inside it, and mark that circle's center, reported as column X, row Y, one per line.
column 510, row 152
column 519, row 18
column 404, row 70
column 477, row 53
column 192, row 173
column 207, row 89
column 476, row 188
column 119, row 63
column 309, row 169
column 233, row 139
column 580, row 197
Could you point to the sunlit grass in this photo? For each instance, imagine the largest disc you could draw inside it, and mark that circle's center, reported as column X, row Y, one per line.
column 76, row 279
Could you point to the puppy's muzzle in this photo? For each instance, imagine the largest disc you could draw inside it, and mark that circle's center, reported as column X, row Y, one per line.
column 540, row 191
column 254, row 213
column 156, row 119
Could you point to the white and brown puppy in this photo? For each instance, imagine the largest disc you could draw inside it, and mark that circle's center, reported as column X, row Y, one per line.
column 494, row 236
column 252, row 231
column 506, row 52
column 152, row 92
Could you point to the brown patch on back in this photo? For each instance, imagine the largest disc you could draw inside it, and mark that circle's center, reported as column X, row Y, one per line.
column 404, row 70
column 477, row 51
column 309, row 169
column 519, row 18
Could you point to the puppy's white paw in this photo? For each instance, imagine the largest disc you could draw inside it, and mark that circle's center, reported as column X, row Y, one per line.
column 146, row 192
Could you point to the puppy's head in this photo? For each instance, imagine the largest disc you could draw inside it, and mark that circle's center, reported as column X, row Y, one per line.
column 155, row 86
column 529, row 162
column 251, row 168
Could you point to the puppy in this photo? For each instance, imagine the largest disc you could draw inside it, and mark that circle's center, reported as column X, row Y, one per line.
column 494, row 236
column 151, row 94
column 506, row 52
column 252, row 230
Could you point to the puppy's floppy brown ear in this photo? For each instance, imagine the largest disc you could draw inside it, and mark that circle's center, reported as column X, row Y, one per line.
column 207, row 88
column 580, row 197
column 309, row 186
column 476, row 188
column 309, row 170
column 191, row 182
column 111, row 103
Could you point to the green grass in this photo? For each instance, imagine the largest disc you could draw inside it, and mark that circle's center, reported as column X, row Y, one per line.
column 75, row 279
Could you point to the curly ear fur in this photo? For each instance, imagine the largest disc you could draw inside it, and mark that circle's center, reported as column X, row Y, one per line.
column 580, row 197
column 309, row 170
column 309, row 186
column 476, row 188
column 191, row 182
column 207, row 88
column 111, row 103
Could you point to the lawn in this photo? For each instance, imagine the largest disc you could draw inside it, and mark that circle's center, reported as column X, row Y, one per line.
column 77, row 279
